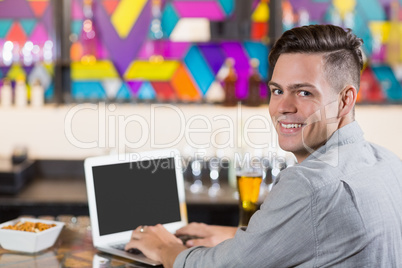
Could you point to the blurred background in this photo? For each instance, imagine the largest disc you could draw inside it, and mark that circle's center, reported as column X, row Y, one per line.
column 179, row 52
column 173, row 50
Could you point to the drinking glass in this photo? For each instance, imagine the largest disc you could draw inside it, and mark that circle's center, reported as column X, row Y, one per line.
column 196, row 169
column 249, row 178
column 214, row 168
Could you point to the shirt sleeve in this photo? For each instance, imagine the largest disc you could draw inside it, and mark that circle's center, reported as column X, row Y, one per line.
column 280, row 234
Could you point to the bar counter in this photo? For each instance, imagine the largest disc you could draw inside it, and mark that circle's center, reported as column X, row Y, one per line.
column 57, row 191
column 73, row 248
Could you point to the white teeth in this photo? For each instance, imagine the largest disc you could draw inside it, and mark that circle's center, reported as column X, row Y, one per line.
column 291, row 125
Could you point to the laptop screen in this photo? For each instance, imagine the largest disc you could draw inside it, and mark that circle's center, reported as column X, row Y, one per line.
column 136, row 193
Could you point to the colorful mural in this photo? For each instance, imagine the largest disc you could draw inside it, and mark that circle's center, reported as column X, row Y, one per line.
column 377, row 22
column 27, row 46
column 123, row 50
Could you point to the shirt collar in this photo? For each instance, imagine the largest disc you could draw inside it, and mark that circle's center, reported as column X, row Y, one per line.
column 351, row 133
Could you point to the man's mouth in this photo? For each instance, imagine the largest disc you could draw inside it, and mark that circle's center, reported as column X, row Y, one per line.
column 293, row 125
column 290, row 127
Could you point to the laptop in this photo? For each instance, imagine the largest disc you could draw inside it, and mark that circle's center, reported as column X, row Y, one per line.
column 129, row 190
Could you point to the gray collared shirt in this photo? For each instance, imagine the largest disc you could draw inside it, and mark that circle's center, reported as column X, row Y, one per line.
column 340, row 207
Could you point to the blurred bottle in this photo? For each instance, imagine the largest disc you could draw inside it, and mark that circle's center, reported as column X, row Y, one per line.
column 394, row 39
column 37, row 94
column 21, row 93
column 229, row 84
column 254, row 83
column 6, row 94
column 156, row 24
column 88, row 34
column 288, row 17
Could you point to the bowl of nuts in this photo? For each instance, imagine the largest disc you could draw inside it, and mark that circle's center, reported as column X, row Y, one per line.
column 29, row 235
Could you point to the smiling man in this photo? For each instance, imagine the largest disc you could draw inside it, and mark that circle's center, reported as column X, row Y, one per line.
column 301, row 99
column 314, row 86
column 340, row 206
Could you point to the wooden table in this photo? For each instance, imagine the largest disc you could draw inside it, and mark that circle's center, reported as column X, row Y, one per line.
column 73, row 248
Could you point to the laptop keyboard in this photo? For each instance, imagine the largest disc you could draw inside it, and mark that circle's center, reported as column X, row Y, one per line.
column 135, row 251
column 131, row 250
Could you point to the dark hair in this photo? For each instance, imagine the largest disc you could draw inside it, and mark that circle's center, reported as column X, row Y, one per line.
column 341, row 50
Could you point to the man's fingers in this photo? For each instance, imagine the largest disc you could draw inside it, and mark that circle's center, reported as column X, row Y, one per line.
column 135, row 236
column 194, row 228
column 132, row 244
column 185, row 230
column 199, row 242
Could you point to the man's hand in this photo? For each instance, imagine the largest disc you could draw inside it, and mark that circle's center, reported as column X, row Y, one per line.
column 156, row 243
column 210, row 235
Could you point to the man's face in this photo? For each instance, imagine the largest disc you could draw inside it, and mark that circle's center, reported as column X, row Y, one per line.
column 303, row 106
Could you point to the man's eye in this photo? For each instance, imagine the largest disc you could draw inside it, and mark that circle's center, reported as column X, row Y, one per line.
column 304, row 93
column 276, row 91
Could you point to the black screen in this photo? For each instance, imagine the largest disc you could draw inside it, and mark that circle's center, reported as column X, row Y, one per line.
column 132, row 194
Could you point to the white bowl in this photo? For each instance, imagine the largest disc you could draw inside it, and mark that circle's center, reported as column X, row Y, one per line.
column 27, row 241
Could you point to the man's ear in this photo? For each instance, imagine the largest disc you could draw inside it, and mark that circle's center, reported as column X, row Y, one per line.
column 347, row 100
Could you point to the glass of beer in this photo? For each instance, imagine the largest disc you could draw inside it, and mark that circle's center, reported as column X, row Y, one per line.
column 249, row 178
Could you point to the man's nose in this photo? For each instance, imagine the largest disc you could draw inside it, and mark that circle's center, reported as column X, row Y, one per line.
column 287, row 105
